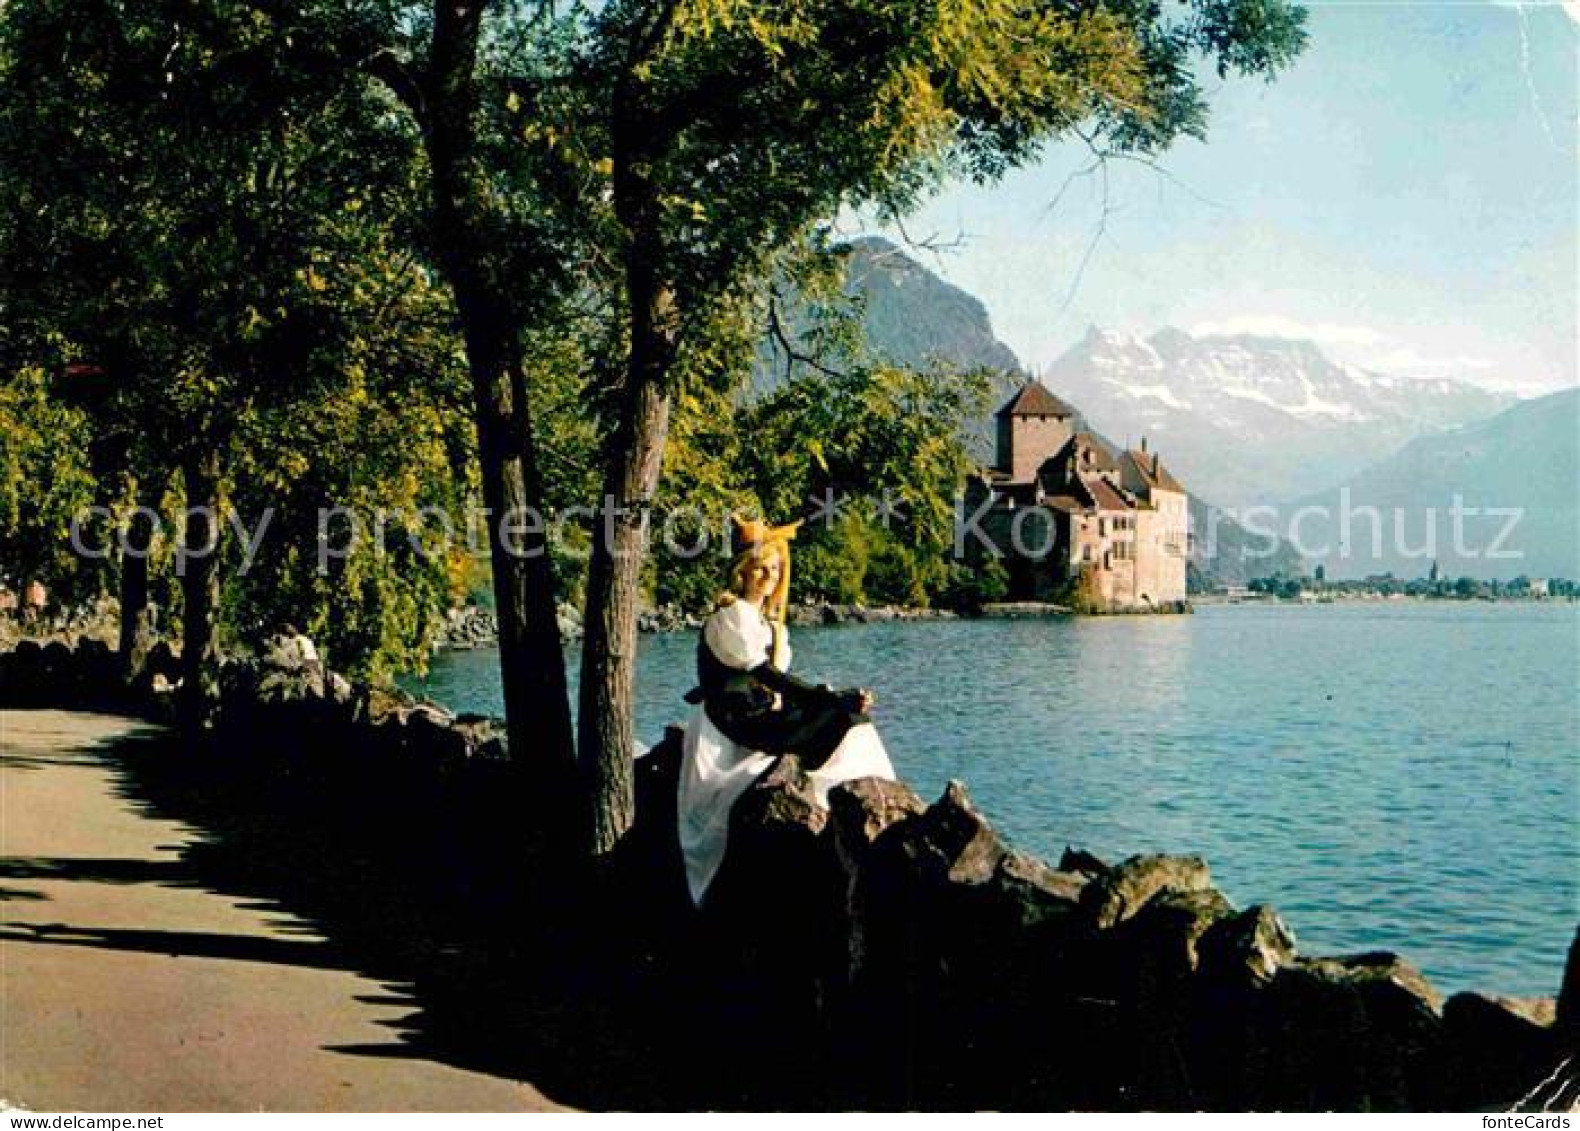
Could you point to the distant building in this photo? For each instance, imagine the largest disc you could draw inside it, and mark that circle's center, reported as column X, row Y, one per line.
column 1066, row 513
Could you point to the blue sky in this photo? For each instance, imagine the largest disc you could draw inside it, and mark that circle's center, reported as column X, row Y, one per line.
column 1406, row 195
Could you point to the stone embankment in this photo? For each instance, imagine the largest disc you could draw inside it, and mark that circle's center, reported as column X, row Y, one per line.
column 922, row 961
column 473, row 626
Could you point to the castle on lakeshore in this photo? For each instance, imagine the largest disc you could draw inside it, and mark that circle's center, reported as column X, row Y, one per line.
column 1074, row 519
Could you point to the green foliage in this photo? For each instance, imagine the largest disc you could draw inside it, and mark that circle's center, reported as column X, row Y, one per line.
column 45, row 482
column 734, row 128
column 730, row 125
column 968, row 588
column 1084, row 594
column 388, row 452
column 885, row 443
column 216, row 205
column 219, row 218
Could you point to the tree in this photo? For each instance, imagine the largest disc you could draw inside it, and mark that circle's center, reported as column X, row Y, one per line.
column 503, row 256
column 379, row 462
column 733, row 125
column 189, row 189
column 44, row 483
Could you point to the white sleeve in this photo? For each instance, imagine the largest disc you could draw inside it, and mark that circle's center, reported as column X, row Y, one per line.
column 738, row 635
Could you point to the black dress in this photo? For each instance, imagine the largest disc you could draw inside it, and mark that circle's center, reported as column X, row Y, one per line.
column 765, row 709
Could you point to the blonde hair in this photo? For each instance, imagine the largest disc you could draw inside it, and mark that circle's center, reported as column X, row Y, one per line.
column 775, row 603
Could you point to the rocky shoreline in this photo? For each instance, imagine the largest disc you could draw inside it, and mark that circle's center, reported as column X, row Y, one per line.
column 907, row 944
column 472, row 626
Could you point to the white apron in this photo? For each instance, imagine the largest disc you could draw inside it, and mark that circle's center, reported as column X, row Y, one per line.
column 715, row 771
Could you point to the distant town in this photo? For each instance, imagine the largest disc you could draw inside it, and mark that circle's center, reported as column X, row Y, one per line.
column 1386, row 585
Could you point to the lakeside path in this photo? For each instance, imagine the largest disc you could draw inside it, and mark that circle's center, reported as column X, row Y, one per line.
column 127, row 987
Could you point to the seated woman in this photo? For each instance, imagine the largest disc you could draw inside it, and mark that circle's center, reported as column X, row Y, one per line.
column 750, row 711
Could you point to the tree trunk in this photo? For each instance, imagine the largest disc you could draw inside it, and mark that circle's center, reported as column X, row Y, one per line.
column 137, row 618
column 531, row 656
column 614, row 575
column 532, row 664
column 198, row 564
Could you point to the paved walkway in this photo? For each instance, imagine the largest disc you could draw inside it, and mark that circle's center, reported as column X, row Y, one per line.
column 105, row 1007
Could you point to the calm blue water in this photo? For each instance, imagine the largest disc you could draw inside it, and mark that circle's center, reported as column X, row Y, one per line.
column 1393, row 776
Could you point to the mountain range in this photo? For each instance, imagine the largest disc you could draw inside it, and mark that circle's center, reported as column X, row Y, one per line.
column 1248, row 420
column 1245, row 420
column 914, row 318
column 1516, row 480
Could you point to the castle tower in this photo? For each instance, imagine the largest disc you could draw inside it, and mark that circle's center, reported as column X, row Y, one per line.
column 1032, row 425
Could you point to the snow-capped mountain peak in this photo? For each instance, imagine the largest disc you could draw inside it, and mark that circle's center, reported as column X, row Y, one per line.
column 1255, row 418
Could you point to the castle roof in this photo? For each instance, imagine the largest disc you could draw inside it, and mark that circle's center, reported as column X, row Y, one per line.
column 1102, row 455
column 1071, row 450
column 1106, row 495
column 1152, row 472
column 1034, row 399
column 1067, row 503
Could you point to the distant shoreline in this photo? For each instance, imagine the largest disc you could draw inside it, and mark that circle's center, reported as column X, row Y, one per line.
column 1216, row 600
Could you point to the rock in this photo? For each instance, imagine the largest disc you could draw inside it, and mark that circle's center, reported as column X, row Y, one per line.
column 1355, row 1033
column 91, row 650
column 470, row 626
column 1079, row 860
column 383, row 705
column 1167, row 929
column 861, row 810
column 781, row 802
column 484, row 736
column 287, row 684
column 432, row 734
column 1132, row 989
column 162, row 659
column 339, row 689
column 1248, row 949
column 1120, row 892
column 657, row 775
column 950, row 842
column 1029, row 893
column 774, row 909
column 1384, row 972
column 55, row 662
column 1567, row 1022
column 665, row 618
column 22, row 681
column 652, row 849
column 1504, row 1053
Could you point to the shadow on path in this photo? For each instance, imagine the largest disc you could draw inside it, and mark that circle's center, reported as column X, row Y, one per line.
column 421, row 883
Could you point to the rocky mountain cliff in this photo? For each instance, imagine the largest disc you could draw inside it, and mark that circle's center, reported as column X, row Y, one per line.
column 1247, row 420
column 915, row 318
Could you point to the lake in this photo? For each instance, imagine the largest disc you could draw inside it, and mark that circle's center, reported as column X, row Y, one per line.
column 1396, row 775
